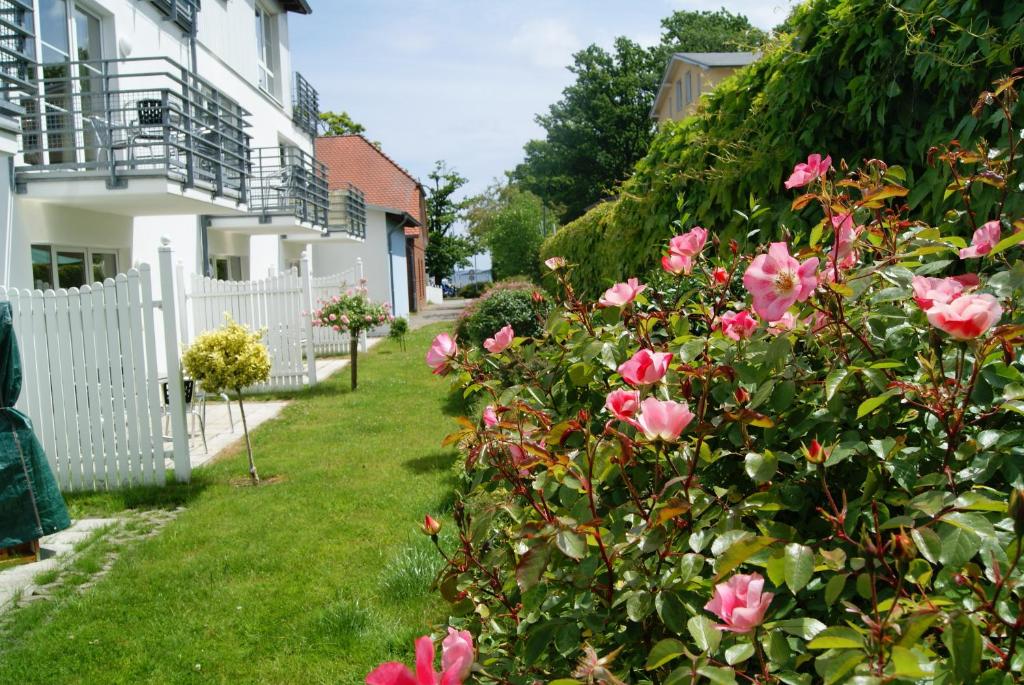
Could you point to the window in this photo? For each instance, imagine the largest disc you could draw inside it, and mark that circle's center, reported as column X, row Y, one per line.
column 70, row 267
column 689, row 89
column 226, row 268
column 700, row 85
column 266, row 51
column 679, row 95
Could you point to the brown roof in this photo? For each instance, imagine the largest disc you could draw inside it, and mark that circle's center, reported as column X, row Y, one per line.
column 353, row 159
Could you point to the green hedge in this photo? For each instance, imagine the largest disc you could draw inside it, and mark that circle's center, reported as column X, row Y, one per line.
column 858, row 79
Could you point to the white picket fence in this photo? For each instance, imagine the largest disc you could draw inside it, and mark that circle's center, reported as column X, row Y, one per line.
column 90, row 382
column 277, row 305
column 325, row 340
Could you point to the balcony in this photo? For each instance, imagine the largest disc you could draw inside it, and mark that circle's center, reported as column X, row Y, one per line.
column 287, row 193
column 148, row 129
column 182, row 12
column 305, row 106
column 346, row 218
column 16, row 60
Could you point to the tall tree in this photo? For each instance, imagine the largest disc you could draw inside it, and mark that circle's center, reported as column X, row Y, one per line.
column 340, row 124
column 510, row 222
column 446, row 250
column 602, row 125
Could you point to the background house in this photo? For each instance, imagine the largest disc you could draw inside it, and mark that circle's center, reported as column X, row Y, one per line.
column 148, row 118
column 687, row 75
column 392, row 253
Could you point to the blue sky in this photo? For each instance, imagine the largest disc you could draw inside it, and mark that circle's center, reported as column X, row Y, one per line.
column 461, row 80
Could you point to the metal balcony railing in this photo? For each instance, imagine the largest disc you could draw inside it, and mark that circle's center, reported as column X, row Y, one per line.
column 347, row 213
column 134, row 117
column 16, row 49
column 182, row 12
column 287, row 181
column 306, row 106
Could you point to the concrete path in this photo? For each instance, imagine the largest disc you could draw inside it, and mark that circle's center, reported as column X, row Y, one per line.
column 449, row 310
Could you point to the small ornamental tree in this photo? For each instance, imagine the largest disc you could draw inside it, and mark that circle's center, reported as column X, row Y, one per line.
column 352, row 312
column 230, row 358
column 795, row 462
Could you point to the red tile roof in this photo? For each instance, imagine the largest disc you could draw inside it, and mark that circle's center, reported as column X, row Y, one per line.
column 353, row 159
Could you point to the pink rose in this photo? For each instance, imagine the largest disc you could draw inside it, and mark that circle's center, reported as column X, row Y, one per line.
column 337, row 328
column 623, row 404
column 663, row 419
column 776, row 280
column 621, row 294
column 457, row 655
column 554, row 263
column 441, row 351
column 741, row 602
column 690, row 243
column 490, row 416
column 719, row 276
column 985, row 238
column 804, row 173
column 500, row 341
column 843, row 251
column 645, row 367
column 928, row 291
column 333, row 317
column 677, row 264
column 738, row 325
column 344, row 319
column 966, row 317
column 456, row 662
column 783, row 325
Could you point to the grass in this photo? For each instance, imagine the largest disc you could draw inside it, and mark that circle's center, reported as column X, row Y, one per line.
column 314, row 579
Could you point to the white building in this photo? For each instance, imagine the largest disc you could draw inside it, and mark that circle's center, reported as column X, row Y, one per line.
column 147, row 118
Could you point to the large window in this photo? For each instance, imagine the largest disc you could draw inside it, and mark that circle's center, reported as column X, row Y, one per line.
column 679, row 95
column 226, row 268
column 70, row 267
column 689, row 88
column 266, row 51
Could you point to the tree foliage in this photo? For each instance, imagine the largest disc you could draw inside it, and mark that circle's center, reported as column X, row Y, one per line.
column 853, row 78
column 446, row 250
column 602, row 125
column 340, row 124
column 511, row 223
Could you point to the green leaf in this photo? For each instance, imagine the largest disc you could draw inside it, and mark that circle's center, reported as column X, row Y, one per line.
column 531, row 567
column 872, row 403
column 540, row 637
column 959, row 546
column 738, row 553
column 799, row 566
column 928, row 543
column 681, row 676
column 639, row 605
column 804, row 628
column 834, row 588
column 1007, row 243
column 837, row 637
column 739, row 653
column 664, row 652
column 572, row 544
column 760, row 467
column 704, row 633
column 565, row 681
column 911, row 663
column 963, row 641
column 671, row 610
column 718, row 676
column 833, row 669
column 833, row 380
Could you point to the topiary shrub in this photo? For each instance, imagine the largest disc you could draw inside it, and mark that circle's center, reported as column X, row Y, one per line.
column 519, row 306
column 473, row 290
column 794, row 464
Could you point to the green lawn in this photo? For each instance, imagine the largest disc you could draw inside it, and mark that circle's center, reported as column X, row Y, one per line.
column 314, row 579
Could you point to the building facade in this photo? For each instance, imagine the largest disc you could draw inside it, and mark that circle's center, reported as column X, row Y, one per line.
column 129, row 120
column 688, row 75
column 393, row 252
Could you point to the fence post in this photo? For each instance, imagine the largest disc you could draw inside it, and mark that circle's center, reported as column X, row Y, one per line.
column 363, row 345
column 307, row 323
column 175, row 387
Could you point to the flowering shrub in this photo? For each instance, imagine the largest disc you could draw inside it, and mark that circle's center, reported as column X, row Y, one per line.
column 229, row 358
column 800, row 462
column 352, row 312
column 511, row 302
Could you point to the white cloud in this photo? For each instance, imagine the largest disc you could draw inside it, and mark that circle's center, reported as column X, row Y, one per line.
column 548, row 43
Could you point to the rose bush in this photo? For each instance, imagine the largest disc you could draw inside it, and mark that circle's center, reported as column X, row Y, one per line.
column 353, row 312
column 664, row 488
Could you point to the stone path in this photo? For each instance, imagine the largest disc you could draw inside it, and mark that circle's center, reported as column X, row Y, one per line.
column 449, row 310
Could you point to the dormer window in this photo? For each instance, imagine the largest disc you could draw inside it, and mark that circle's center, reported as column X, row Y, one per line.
column 266, row 52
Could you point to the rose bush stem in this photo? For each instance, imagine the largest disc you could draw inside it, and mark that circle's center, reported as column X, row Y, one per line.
column 248, row 444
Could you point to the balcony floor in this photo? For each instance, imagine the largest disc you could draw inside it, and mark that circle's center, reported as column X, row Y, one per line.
column 272, row 224
column 140, row 196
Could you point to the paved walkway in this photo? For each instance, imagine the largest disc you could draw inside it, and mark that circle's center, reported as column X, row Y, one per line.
column 449, row 310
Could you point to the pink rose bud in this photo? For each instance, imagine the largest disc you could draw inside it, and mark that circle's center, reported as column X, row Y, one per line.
column 623, row 404
column 555, row 263
column 501, row 340
column 741, row 395
column 777, row 281
column 984, row 239
column 966, row 317
column 663, row 419
column 441, row 352
column 804, row 173
column 645, row 367
column 815, row 453
column 490, row 416
column 719, row 276
column 741, row 602
column 621, row 294
column 431, row 526
column 457, row 656
column 677, row 264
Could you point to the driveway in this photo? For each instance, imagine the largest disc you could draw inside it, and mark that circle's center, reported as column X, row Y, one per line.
column 432, row 313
